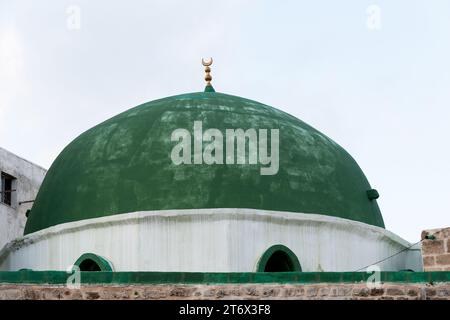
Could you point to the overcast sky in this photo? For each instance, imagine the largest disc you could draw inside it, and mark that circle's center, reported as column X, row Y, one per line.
column 372, row 75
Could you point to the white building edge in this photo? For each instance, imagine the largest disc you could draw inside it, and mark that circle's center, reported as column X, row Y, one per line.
column 20, row 182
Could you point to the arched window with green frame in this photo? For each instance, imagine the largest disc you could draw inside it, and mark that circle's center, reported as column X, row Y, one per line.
column 278, row 258
column 93, row 262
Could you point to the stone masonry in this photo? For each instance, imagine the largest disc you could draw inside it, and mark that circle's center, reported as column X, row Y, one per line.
column 436, row 249
column 327, row 291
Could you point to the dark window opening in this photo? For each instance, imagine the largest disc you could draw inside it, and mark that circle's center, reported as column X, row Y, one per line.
column 89, row 265
column 93, row 262
column 279, row 262
column 279, row 258
column 6, row 188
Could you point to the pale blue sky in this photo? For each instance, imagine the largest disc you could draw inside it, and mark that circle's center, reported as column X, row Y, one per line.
column 384, row 95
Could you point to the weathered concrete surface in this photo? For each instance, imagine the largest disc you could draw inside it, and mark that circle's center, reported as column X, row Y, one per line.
column 211, row 240
column 29, row 177
column 436, row 251
column 323, row 291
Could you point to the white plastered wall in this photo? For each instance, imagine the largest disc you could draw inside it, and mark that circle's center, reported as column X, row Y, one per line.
column 210, row 240
column 29, row 177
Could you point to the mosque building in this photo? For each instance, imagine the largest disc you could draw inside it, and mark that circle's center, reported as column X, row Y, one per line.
column 206, row 195
column 203, row 182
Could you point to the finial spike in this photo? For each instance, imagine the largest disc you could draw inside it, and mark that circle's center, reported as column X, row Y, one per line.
column 208, row 78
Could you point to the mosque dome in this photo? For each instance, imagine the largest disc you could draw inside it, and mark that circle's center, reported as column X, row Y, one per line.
column 124, row 165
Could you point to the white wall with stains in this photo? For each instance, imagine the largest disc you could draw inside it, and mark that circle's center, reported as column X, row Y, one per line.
column 29, row 177
column 211, row 240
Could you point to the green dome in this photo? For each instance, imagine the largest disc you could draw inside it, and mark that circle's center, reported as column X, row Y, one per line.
column 124, row 165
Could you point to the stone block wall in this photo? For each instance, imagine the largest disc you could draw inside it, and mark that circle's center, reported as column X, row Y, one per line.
column 436, row 249
column 321, row 291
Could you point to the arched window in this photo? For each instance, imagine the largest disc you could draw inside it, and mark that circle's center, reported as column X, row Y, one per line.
column 93, row 262
column 278, row 258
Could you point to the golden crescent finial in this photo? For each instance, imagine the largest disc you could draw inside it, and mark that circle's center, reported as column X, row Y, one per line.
column 207, row 63
column 208, row 77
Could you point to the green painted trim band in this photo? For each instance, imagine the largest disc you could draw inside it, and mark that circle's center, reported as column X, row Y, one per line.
column 142, row 278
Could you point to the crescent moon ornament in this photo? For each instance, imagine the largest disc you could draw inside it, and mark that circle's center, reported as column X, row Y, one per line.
column 207, row 63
